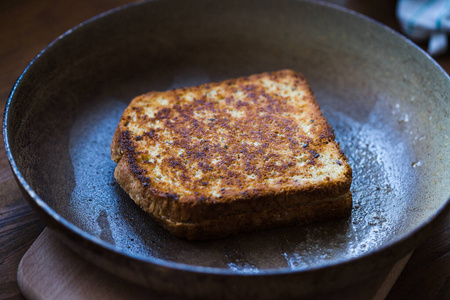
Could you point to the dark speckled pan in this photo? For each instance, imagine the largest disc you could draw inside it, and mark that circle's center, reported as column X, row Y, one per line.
column 386, row 99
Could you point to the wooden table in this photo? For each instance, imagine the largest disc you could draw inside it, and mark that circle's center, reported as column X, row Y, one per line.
column 26, row 27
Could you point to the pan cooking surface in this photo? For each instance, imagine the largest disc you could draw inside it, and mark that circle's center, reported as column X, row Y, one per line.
column 383, row 97
column 99, row 206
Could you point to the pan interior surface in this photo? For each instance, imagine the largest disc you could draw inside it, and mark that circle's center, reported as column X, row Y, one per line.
column 385, row 99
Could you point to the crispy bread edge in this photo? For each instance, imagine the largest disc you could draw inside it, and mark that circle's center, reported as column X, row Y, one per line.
column 115, row 146
column 210, row 221
column 328, row 209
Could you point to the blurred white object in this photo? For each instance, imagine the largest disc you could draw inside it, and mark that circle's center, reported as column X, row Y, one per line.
column 422, row 20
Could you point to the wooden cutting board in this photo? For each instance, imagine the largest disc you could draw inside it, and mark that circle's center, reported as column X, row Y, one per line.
column 49, row 270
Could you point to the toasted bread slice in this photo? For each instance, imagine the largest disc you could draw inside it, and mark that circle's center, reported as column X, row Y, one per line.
column 239, row 155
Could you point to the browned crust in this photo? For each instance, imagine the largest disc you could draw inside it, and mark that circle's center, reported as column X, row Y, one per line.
column 205, row 222
column 300, row 213
column 165, row 207
column 201, row 215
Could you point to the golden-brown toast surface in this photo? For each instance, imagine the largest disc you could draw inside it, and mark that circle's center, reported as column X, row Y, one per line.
column 198, row 158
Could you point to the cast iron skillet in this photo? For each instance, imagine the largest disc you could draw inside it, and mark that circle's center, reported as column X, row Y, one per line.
column 386, row 99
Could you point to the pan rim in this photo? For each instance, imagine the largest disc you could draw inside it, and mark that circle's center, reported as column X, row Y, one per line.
column 68, row 228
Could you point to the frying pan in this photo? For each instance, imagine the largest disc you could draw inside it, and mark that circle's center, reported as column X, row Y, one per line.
column 387, row 101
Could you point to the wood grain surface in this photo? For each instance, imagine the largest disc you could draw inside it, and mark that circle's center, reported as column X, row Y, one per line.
column 49, row 270
column 27, row 26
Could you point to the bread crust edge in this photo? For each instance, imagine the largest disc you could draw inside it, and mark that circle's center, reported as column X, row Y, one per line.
column 208, row 220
